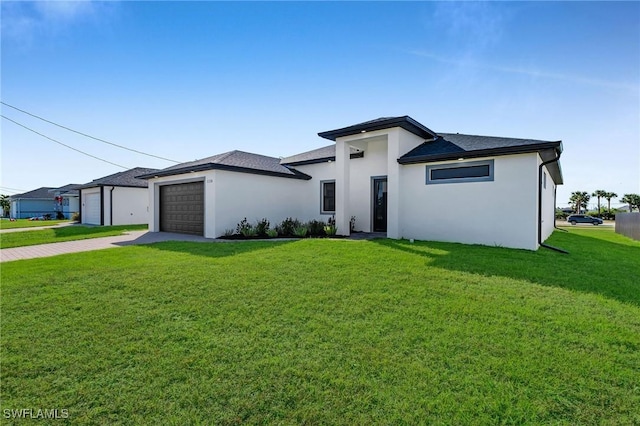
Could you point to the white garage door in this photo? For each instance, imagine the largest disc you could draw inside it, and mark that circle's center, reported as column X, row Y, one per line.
column 91, row 209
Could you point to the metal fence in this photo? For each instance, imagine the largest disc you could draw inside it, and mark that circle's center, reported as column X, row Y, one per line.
column 628, row 224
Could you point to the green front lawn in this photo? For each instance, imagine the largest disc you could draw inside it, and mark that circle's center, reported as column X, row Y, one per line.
column 26, row 223
column 67, row 233
column 328, row 332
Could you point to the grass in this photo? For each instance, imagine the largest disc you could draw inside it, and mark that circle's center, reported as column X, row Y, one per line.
column 26, row 223
column 321, row 331
column 67, row 233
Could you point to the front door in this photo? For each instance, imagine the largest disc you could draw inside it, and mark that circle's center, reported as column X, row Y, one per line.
column 380, row 204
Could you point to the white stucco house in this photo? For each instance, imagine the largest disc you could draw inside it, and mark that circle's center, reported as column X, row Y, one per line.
column 117, row 199
column 395, row 175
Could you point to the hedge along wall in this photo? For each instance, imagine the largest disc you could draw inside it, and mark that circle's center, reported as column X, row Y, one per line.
column 628, row 224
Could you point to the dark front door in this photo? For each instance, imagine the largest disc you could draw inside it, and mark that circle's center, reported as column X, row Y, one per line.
column 380, row 204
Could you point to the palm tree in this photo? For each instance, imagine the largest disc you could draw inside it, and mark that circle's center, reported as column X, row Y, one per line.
column 599, row 193
column 579, row 200
column 632, row 199
column 608, row 197
column 5, row 204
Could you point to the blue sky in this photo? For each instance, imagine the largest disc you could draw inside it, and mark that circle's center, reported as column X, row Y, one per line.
column 187, row 80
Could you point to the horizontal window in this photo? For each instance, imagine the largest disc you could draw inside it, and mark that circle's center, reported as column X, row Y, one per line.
column 475, row 171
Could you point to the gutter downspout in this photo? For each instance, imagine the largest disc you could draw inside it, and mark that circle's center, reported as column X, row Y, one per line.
column 111, row 205
column 540, row 243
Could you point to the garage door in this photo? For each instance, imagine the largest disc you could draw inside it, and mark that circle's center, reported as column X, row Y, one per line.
column 182, row 208
column 91, row 209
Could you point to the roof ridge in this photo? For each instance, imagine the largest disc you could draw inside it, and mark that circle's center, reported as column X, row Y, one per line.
column 223, row 156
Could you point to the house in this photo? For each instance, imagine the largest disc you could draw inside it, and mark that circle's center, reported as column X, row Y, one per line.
column 34, row 203
column 117, row 199
column 67, row 199
column 393, row 174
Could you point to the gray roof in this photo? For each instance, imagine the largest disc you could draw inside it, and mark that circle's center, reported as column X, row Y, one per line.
column 451, row 146
column 454, row 145
column 237, row 161
column 40, row 193
column 320, row 155
column 405, row 122
column 69, row 189
column 127, row 178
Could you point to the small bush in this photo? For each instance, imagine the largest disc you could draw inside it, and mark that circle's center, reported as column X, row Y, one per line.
column 316, row 228
column 242, row 226
column 300, row 231
column 287, row 227
column 75, row 217
column 330, row 230
column 228, row 232
column 60, row 216
column 249, row 231
column 262, row 227
column 352, row 224
column 272, row 233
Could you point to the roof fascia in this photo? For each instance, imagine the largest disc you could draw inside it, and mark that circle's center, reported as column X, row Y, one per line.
column 481, row 153
column 407, row 123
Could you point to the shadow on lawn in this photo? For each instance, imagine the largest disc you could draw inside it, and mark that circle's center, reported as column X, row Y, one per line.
column 215, row 249
column 594, row 265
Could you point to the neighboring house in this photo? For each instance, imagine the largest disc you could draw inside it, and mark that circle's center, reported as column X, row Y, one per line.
column 34, row 203
column 393, row 174
column 118, row 199
column 67, row 199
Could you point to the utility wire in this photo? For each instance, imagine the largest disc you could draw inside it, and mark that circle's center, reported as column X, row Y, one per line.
column 12, row 189
column 86, row 135
column 60, row 143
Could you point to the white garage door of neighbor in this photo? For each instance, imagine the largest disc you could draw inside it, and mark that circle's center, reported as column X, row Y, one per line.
column 91, row 209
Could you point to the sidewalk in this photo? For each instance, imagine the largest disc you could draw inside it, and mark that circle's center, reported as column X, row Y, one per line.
column 37, row 228
column 91, row 244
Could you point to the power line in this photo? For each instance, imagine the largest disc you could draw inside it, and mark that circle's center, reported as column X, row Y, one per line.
column 60, row 143
column 12, row 189
column 88, row 136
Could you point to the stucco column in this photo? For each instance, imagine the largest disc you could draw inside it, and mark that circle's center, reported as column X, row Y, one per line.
column 393, row 184
column 342, row 187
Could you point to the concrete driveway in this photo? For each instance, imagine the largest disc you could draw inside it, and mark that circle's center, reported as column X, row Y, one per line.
column 91, row 244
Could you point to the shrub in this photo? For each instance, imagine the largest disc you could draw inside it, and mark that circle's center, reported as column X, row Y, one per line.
column 272, row 233
column 228, row 232
column 60, row 216
column 330, row 230
column 75, row 217
column 262, row 227
column 316, row 228
column 300, row 231
column 249, row 231
column 352, row 224
column 242, row 226
column 287, row 227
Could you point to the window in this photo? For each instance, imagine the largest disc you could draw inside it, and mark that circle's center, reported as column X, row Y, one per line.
column 474, row 171
column 328, row 202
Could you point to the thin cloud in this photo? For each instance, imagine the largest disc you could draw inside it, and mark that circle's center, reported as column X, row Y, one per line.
column 531, row 72
column 23, row 21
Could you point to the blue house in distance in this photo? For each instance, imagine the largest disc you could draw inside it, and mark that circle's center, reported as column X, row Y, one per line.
column 33, row 204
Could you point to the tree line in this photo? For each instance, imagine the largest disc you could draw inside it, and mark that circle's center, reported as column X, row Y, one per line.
column 579, row 200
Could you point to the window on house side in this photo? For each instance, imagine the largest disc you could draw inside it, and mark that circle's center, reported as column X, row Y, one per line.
column 328, row 196
column 474, row 171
